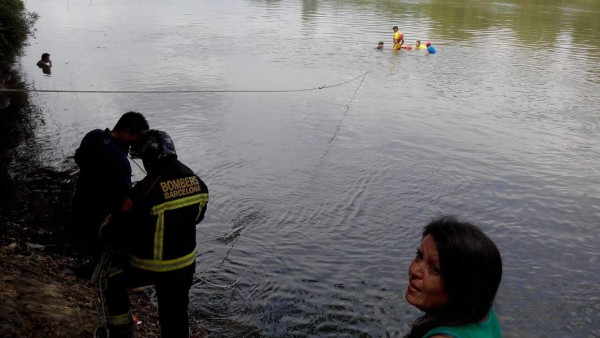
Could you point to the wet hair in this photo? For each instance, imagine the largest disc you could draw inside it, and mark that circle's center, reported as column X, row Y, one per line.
column 133, row 122
column 380, row 43
column 471, row 268
column 45, row 55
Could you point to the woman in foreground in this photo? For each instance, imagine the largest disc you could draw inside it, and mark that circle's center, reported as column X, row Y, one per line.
column 453, row 279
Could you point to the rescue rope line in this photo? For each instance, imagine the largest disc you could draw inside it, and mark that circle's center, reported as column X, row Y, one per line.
column 227, row 235
column 339, row 126
column 204, row 280
column 138, row 165
column 325, row 86
column 221, row 237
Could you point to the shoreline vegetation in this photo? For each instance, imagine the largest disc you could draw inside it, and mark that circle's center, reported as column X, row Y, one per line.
column 39, row 291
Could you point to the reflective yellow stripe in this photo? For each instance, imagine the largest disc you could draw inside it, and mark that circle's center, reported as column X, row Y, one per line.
column 203, row 201
column 162, row 266
column 180, row 203
column 159, row 235
column 160, row 209
column 123, row 319
column 113, row 271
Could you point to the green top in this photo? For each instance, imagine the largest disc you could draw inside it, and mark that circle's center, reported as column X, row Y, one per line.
column 489, row 328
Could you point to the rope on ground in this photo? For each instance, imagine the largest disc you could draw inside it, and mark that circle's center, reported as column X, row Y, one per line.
column 99, row 278
column 325, row 86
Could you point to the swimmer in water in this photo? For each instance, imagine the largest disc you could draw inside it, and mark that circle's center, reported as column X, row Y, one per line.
column 45, row 63
column 430, row 49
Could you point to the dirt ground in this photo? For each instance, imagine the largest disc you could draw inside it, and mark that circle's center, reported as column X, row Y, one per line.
column 41, row 295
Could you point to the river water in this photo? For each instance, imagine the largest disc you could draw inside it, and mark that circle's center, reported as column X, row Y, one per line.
column 318, row 196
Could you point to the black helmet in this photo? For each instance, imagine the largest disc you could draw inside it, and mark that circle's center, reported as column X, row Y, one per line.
column 153, row 145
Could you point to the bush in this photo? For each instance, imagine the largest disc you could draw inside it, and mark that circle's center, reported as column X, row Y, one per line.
column 16, row 24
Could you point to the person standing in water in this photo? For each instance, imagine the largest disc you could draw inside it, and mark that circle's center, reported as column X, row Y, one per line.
column 398, row 39
column 45, row 63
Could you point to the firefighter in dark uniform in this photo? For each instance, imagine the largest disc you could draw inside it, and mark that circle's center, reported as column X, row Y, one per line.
column 156, row 233
column 104, row 181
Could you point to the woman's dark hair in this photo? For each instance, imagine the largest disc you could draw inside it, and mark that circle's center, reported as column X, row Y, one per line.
column 471, row 268
column 133, row 122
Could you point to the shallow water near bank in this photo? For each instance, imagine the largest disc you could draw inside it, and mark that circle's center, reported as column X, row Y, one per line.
column 318, row 196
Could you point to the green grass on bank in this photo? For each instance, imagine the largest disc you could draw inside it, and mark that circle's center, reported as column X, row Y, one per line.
column 16, row 25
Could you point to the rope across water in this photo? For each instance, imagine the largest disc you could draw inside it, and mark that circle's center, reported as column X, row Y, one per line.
column 325, row 86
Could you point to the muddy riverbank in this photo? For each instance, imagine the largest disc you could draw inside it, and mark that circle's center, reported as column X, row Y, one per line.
column 41, row 295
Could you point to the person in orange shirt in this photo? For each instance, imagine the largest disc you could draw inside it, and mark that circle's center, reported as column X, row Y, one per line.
column 398, row 39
